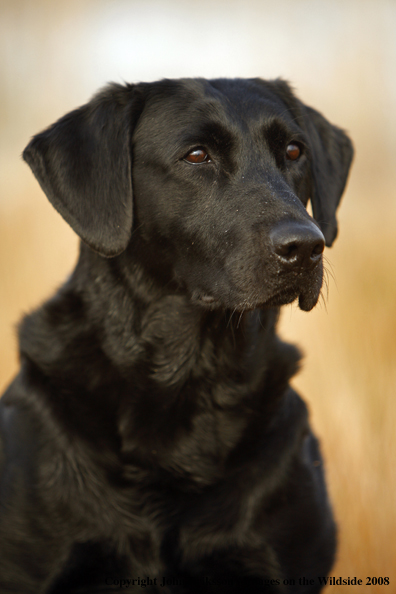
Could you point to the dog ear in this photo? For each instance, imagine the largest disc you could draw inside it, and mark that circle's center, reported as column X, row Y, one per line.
column 331, row 158
column 332, row 154
column 83, row 164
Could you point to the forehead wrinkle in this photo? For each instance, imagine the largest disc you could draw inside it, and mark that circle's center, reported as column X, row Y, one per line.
column 212, row 131
column 277, row 123
column 201, row 120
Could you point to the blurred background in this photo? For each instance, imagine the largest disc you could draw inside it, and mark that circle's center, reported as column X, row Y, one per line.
column 340, row 56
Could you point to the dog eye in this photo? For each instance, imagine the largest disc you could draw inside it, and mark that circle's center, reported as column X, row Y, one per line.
column 293, row 152
column 197, row 156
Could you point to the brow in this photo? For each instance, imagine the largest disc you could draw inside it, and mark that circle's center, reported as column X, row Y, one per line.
column 210, row 133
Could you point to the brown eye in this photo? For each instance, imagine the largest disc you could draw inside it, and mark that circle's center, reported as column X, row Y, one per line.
column 293, row 152
column 197, row 156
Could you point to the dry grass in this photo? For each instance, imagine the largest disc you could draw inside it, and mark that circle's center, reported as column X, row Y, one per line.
column 37, row 251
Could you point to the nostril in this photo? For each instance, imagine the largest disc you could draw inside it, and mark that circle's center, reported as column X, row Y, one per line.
column 318, row 249
column 287, row 250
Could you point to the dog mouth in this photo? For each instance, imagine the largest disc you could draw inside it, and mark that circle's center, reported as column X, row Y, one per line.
column 306, row 301
column 263, row 293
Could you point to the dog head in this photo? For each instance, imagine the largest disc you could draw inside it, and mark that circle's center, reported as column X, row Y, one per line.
column 213, row 177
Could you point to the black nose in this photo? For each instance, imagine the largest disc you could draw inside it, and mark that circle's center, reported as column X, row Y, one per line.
column 297, row 244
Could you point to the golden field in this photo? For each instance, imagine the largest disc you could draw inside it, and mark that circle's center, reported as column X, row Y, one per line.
column 349, row 339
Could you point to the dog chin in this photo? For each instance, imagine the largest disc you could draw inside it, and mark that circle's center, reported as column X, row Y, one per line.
column 306, row 300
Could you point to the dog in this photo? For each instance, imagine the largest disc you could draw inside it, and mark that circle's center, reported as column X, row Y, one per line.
column 151, row 438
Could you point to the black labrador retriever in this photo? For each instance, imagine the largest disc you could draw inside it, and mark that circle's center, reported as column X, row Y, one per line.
column 151, row 439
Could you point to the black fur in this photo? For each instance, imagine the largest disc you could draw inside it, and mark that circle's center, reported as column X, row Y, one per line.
column 151, row 430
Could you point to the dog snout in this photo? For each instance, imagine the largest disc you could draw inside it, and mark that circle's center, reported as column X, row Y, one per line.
column 298, row 244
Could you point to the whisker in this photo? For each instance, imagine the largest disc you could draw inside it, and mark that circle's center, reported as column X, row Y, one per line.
column 326, row 282
column 230, row 318
column 322, row 300
column 329, row 268
column 240, row 317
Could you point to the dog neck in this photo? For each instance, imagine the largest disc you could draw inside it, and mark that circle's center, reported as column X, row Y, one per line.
column 151, row 327
column 152, row 348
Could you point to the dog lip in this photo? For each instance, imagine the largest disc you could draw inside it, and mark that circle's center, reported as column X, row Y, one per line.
column 281, row 298
column 276, row 300
column 306, row 300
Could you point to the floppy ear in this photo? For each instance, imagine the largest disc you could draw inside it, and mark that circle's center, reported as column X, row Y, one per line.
column 332, row 154
column 331, row 157
column 83, row 164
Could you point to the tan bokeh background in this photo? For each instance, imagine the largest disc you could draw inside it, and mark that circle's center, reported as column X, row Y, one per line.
column 341, row 58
